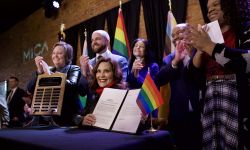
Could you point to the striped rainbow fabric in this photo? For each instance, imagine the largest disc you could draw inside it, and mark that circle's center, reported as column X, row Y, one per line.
column 82, row 102
column 170, row 25
column 149, row 97
column 121, row 43
column 165, row 90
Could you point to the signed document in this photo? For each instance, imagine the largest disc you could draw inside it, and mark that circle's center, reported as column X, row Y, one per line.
column 129, row 117
column 214, row 31
column 117, row 110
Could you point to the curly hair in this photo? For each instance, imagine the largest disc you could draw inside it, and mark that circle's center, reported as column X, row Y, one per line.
column 231, row 11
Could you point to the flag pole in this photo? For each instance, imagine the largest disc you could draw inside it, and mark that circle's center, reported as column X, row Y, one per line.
column 120, row 3
column 84, row 49
column 85, row 33
column 151, row 129
column 169, row 3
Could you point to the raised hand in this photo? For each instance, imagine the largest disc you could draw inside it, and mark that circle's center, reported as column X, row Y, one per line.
column 45, row 67
column 200, row 40
column 180, row 52
column 38, row 61
column 137, row 66
column 85, row 67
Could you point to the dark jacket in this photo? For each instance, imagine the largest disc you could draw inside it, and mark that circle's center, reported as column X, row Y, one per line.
column 183, row 121
column 184, row 88
column 238, row 64
column 16, row 105
column 136, row 83
column 70, row 101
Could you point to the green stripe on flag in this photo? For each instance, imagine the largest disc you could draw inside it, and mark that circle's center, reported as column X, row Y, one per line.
column 120, row 47
column 83, row 100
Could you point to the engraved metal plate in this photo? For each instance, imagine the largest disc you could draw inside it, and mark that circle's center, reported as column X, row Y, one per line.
column 48, row 95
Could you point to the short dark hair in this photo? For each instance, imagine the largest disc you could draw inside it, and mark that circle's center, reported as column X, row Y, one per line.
column 15, row 78
column 68, row 49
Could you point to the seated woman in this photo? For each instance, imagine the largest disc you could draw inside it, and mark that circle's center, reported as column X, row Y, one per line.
column 62, row 56
column 106, row 73
column 140, row 63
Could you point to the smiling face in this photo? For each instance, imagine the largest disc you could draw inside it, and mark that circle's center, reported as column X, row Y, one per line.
column 104, row 74
column 58, row 57
column 98, row 43
column 139, row 49
column 214, row 11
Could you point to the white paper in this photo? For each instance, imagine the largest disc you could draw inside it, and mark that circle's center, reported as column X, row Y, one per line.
column 214, row 32
column 129, row 117
column 107, row 107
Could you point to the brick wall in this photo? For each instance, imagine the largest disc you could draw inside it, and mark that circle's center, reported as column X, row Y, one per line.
column 194, row 14
column 36, row 34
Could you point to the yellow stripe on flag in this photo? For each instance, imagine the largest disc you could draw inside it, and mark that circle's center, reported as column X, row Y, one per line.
column 163, row 110
column 150, row 96
column 120, row 35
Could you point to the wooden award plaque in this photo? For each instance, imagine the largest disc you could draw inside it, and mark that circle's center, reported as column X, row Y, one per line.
column 48, row 94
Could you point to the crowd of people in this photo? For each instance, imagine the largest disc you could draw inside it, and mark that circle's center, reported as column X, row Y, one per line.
column 209, row 105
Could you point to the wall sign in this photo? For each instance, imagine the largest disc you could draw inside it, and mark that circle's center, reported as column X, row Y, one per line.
column 38, row 50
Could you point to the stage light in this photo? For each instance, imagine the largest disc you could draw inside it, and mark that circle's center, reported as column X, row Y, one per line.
column 56, row 4
column 51, row 7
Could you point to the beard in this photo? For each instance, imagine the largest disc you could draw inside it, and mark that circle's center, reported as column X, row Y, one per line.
column 97, row 48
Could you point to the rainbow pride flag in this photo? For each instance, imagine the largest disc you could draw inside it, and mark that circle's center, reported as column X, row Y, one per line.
column 82, row 102
column 121, row 43
column 171, row 23
column 149, row 97
column 165, row 90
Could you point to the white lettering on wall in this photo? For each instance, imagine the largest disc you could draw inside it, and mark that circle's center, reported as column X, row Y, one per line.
column 38, row 50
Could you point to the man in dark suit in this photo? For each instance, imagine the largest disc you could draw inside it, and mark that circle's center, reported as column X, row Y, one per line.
column 15, row 103
column 100, row 46
column 184, row 117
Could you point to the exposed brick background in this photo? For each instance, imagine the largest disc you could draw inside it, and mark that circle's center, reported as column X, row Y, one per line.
column 27, row 34
column 194, row 14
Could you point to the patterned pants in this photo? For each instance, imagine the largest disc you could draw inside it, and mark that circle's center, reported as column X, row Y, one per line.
column 220, row 116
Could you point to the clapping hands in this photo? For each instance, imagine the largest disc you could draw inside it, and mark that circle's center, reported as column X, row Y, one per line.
column 137, row 66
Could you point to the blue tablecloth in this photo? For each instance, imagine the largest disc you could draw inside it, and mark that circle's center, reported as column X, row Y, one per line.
column 76, row 139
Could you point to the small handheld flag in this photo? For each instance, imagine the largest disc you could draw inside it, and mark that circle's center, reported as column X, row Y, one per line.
column 170, row 25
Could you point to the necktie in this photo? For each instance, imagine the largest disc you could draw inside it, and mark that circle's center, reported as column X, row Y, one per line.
column 99, row 57
column 10, row 96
